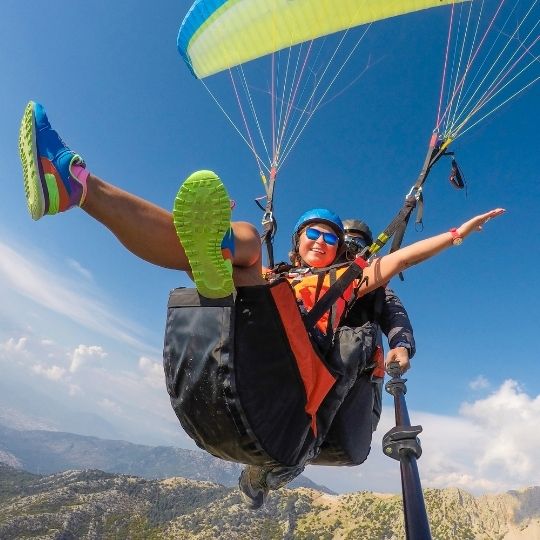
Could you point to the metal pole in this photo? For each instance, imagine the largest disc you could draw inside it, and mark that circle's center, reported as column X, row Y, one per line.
column 402, row 443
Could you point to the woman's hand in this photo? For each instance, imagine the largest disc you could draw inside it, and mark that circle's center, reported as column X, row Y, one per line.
column 477, row 223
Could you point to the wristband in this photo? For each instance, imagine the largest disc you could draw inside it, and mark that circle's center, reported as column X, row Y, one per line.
column 457, row 239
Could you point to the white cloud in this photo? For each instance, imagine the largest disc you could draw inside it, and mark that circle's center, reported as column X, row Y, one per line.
column 110, row 406
column 152, row 372
column 479, row 383
column 37, row 280
column 83, row 353
column 74, row 390
column 54, row 373
column 508, row 418
column 13, row 345
column 80, row 269
column 490, row 446
column 15, row 351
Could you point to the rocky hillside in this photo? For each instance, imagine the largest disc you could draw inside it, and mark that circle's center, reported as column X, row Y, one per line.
column 46, row 452
column 97, row 505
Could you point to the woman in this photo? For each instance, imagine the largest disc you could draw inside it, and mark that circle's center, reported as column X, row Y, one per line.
column 317, row 238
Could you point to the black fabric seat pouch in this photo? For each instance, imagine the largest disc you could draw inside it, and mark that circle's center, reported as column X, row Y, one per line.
column 233, row 379
column 347, row 440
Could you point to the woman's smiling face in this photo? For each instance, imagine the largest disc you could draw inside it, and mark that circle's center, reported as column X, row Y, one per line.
column 317, row 253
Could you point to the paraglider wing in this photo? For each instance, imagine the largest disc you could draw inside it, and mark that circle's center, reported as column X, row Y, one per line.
column 218, row 34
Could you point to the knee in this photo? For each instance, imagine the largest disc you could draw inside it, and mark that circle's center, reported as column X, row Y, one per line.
column 245, row 231
column 247, row 244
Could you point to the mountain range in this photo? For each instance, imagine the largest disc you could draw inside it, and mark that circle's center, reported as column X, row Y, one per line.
column 46, row 452
column 94, row 505
column 65, row 486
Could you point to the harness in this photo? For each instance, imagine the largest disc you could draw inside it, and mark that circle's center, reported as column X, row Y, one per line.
column 270, row 402
column 324, row 294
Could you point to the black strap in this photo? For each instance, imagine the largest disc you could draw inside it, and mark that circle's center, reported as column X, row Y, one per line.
column 332, row 312
column 326, row 342
column 320, row 282
column 269, row 222
column 456, row 176
column 335, row 291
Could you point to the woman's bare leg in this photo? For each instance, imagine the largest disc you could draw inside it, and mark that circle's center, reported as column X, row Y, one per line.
column 142, row 227
column 56, row 179
column 148, row 231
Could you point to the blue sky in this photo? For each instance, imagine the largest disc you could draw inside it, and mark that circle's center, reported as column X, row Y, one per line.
column 81, row 319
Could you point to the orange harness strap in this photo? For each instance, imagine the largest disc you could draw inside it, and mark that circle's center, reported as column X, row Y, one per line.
column 316, row 377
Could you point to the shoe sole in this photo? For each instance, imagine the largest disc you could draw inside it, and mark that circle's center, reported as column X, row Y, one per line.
column 201, row 217
column 35, row 198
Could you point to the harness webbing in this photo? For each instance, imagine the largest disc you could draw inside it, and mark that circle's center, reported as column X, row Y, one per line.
column 269, row 223
column 335, row 291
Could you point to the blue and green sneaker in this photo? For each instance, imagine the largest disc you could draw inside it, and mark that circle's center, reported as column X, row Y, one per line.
column 202, row 218
column 50, row 183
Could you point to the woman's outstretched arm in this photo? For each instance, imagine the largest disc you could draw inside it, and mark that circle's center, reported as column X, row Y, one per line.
column 381, row 270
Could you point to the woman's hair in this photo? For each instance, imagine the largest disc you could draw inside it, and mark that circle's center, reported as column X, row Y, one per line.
column 294, row 256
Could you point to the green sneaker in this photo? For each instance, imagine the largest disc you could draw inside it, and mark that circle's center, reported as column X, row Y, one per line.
column 202, row 218
column 54, row 176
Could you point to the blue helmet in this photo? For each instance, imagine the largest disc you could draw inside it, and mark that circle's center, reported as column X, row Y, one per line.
column 320, row 215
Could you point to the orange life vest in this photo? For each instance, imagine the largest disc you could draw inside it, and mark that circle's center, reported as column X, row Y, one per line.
column 306, row 289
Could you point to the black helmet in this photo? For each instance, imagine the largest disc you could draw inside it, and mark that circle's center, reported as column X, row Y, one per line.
column 354, row 244
column 358, row 226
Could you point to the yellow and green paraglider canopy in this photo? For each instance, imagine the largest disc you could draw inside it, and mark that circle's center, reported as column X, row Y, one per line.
column 219, row 34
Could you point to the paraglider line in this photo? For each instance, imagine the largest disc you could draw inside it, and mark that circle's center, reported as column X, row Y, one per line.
column 448, row 39
column 312, row 112
column 253, row 110
column 291, row 145
column 260, row 162
column 287, row 100
column 273, row 108
column 491, row 92
column 303, row 109
column 248, row 131
column 352, row 83
column 500, row 105
column 282, row 100
column 479, row 70
column 469, row 64
column 289, row 107
column 500, row 76
column 458, row 70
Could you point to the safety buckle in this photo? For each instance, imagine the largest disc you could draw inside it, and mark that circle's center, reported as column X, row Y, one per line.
column 268, row 218
column 415, row 192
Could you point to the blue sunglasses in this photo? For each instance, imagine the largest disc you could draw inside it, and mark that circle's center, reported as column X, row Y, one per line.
column 329, row 238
